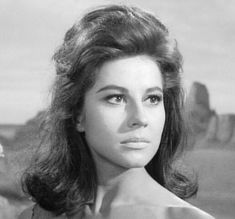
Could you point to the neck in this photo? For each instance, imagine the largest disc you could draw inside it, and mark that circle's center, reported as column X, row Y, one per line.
column 121, row 177
column 119, row 188
column 117, row 185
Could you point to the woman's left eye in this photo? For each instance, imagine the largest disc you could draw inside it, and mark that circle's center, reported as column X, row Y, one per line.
column 154, row 99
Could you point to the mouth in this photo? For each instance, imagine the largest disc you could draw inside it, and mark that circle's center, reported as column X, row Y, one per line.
column 135, row 143
column 135, row 140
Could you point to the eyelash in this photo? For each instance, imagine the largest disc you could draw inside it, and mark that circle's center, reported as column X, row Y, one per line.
column 158, row 98
column 110, row 97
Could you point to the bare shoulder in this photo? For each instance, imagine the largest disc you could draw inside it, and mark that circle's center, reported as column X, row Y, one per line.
column 165, row 204
column 180, row 208
column 157, row 195
column 156, row 212
column 176, row 208
column 189, row 212
column 27, row 213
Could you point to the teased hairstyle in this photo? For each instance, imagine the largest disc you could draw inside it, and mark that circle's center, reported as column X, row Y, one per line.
column 64, row 179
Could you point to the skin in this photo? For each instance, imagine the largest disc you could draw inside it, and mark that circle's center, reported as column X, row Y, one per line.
column 126, row 102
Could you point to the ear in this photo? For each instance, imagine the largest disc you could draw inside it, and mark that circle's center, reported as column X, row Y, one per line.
column 80, row 123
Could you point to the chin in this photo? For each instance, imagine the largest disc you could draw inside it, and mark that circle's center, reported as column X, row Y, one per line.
column 136, row 163
column 137, row 159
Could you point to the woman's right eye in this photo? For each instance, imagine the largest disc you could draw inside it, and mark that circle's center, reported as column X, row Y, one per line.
column 116, row 99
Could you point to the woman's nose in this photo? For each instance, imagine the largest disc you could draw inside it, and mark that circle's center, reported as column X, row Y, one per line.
column 137, row 117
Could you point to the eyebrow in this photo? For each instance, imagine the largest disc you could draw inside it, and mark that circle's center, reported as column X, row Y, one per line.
column 124, row 90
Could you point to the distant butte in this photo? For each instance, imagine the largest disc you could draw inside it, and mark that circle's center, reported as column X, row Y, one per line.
column 207, row 128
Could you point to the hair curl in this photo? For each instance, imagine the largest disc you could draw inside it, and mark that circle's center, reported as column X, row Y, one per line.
column 64, row 179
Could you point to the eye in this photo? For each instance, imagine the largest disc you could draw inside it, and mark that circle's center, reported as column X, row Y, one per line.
column 115, row 99
column 154, row 99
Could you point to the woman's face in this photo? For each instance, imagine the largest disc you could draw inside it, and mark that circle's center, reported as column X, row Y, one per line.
column 123, row 113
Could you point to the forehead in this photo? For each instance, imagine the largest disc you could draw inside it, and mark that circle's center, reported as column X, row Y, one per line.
column 138, row 71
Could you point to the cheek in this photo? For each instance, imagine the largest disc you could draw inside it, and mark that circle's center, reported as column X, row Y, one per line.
column 101, row 126
column 158, row 121
column 155, row 130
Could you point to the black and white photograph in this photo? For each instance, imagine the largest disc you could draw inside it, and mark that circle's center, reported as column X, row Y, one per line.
column 117, row 109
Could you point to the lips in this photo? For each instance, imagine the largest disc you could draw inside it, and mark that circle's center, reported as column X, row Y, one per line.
column 135, row 140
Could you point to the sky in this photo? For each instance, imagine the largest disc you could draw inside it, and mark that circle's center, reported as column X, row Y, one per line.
column 32, row 30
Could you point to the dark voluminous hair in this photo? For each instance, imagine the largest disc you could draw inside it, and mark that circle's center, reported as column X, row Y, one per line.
column 64, row 179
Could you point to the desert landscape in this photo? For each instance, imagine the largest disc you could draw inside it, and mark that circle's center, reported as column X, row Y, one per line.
column 211, row 154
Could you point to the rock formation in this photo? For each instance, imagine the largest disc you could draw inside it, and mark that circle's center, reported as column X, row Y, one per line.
column 198, row 107
column 207, row 127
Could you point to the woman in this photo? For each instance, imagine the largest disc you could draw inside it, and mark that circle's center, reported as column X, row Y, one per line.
column 115, row 124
